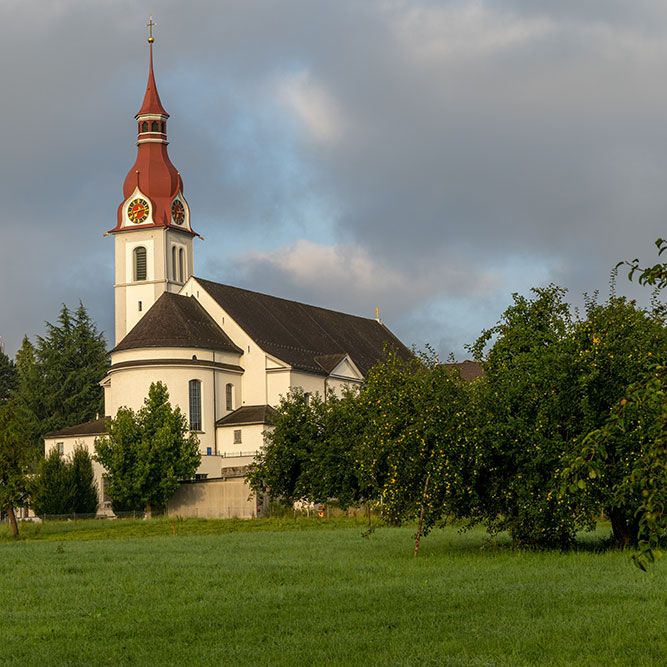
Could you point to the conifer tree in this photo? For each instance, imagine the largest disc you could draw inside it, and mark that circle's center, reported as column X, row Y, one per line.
column 64, row 485
column 7, row 375
column 58, row 378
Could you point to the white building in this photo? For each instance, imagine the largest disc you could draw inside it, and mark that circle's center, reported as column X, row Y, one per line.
column 226, row 354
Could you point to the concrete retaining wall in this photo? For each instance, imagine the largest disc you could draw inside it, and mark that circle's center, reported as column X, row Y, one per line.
column 223, row 498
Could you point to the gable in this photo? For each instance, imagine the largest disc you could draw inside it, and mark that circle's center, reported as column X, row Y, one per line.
column 346, row 369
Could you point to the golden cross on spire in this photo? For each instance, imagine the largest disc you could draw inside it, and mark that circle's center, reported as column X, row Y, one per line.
column 150, row 25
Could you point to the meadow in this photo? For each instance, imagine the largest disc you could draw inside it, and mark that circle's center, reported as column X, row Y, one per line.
column 315, row 592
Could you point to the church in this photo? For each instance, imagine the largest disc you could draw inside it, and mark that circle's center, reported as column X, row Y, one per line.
column 226, row 354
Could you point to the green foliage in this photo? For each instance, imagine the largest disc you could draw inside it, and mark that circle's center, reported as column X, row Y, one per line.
column 16, row 457
column 617, row 345
column 58, row 379
column 64, row 486
column 409, row 421
column 528, row 415
column 510, row 450
column 309, row 452
column 418, row 427
column 147, row 453
column 625, row 462
column 655, row 275
column 7, row 376
column 551, row 379
column 86, row 497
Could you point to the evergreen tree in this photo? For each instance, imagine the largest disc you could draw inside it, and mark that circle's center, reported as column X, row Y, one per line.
column 86, row 498
column 58, row 378
column 51, row 490
column 64, row 485
column 28, row 390
column 7, row 376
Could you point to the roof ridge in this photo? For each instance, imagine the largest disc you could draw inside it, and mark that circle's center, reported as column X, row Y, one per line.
column 280, row 298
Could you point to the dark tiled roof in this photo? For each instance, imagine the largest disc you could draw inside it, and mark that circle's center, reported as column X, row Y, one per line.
column 468, row 370
column 96, row 427
column 177, row 321
column 299, row 334
column 248, row 414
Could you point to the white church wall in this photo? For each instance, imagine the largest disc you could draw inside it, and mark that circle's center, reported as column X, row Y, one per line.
column 253, row 384
column 224, row 378
column 278, row 384
column 251, row 440
column 130, row 387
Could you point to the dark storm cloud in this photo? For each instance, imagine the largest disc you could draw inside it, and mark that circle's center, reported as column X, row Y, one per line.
column 432, row 157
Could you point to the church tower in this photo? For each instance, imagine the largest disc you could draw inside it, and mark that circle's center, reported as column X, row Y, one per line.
column 153, row 236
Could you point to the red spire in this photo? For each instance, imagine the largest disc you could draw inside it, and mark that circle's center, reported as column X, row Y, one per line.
column 152, row 174
column 151, row 102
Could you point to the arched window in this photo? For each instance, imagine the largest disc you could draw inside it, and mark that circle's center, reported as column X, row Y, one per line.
column 173, row 262
column 164, row 128
column 155, row 127
column 195, row 405
column 180, row 264
column 229, row 396
column 140, row 263
column 144, row 127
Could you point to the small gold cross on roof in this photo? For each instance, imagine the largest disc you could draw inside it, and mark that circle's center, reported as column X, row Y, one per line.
column 150, row 25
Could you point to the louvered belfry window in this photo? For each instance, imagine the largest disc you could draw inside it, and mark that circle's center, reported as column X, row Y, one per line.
column 140, row 263
column 195, row 405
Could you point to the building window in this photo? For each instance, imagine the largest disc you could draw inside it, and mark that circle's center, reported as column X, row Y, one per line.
column 61, row 448
column 173, row 262
column 209, row 451
column 144, row 127
column 139, row 306
column 195, row 405
column 140, row 263
column 306, row 398
column 237, row 437
column 201, row 475
column 180, row 264
column 229, row 396
column 155, row 127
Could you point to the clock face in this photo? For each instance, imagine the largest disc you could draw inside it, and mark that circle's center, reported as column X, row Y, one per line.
column 138, row 210
column 178, row 211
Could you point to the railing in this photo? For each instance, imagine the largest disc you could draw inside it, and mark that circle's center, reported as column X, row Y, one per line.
column 232, row 455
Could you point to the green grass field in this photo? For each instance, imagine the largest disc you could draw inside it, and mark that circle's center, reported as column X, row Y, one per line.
column 317, row 593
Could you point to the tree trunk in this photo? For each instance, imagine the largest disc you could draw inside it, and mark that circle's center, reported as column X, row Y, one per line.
column 12, row 521
column 619, row 527
column 421, row 515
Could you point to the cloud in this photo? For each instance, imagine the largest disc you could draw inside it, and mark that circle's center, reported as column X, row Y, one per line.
column 470, row 30
column 313, row 105
column 437, row 302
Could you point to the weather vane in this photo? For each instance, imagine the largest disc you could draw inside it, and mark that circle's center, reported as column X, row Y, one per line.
column 150, row 25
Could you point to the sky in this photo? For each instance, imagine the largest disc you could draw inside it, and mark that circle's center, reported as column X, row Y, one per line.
column 425, row 158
